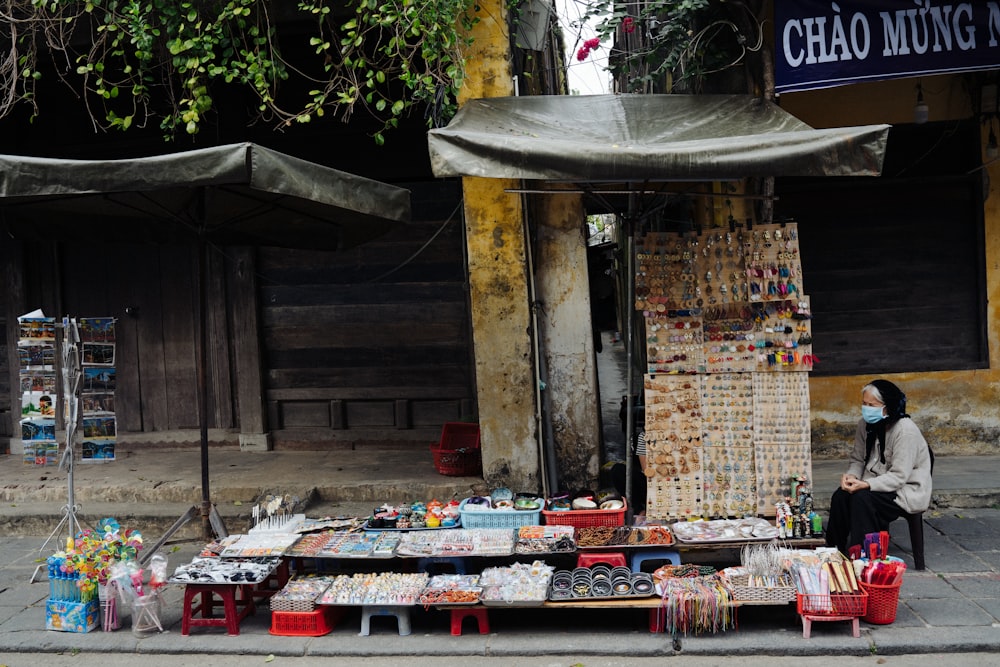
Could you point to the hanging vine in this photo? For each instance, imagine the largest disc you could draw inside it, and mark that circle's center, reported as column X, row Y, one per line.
column 132, row 61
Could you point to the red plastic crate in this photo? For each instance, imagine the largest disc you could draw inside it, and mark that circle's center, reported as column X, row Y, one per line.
column 459, row 435
column 316, row 623
column 458, row 453
column 457, row 462
column 585, row 518
column 833, row 604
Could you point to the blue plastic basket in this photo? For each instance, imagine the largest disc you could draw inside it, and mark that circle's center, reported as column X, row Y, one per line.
column 491, row 518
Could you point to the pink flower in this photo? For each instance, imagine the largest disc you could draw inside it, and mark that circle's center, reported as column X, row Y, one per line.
column 628, row 24
column 592, row 43
column 582, row 53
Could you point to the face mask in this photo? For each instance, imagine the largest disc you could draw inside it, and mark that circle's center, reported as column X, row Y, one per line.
column 871, row 414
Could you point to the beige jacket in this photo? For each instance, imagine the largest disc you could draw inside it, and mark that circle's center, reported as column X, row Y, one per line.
column 907, row 467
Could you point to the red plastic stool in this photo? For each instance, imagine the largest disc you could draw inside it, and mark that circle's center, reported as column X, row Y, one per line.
column 234, row 610
column 807, row 621
column 458, row 614
column 657, row 619
column 273, row 583
column 612, row 558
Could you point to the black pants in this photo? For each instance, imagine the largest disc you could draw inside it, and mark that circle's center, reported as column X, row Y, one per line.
column 854, row 515
column 638, row 500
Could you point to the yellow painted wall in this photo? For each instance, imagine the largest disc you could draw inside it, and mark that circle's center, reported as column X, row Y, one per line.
column 498, row 289
column 958, row 411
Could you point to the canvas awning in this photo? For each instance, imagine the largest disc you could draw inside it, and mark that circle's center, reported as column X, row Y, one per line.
column 236, row 194
column 604, row 138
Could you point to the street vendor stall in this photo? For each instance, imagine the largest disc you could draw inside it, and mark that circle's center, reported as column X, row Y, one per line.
column 326, row 570
column 725, row 429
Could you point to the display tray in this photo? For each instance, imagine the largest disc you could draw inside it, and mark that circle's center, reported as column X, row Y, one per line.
column 598, row 598
column 426, row 603
column 366, row 526
column 524, row 551
column 215, row 570
column 367, row 545
column 355, row 556
column 721, row 531
column 512, row 603
column 664, row 541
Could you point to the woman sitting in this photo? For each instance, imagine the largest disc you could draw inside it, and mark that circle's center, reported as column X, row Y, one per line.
column 889, row 473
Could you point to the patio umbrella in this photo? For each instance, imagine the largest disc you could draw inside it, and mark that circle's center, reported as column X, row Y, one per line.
column 238, row 194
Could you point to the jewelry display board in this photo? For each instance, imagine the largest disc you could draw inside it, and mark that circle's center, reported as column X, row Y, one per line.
column 728, row 350
column 673, row 445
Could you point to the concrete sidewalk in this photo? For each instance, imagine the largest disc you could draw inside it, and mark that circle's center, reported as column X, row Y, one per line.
column 150, row 488
column 953, row 606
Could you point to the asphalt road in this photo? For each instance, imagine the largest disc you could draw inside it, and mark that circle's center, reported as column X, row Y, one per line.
column 214, row 660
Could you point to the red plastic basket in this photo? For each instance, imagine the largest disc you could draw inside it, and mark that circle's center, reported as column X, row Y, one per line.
column 457, row 462
column 316, row 623
column 882, row 603
column 833, row 604
column 459, row 435
column 458, row 453
column 585, row 518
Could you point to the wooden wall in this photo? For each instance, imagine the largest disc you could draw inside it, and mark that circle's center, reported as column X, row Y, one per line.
column 372, row 344
column 366, row 345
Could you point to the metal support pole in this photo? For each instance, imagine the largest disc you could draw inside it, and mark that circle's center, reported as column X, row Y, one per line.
column 629, row 345
column 206, row 502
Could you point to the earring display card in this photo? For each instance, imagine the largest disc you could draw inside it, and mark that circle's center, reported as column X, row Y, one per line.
column 781, row 408
column 729, row 339
column 674, row 343
column 775, row 465
column 673, row 446
column 773, row 263
column 783, row 336
column 730, row 482
column 727, row 405
column 728, row 348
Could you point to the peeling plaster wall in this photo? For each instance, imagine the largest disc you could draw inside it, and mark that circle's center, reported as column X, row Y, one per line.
column 567, row 335
column 958, row 411
column 498, row 287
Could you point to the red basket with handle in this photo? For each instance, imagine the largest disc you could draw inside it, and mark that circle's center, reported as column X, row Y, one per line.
column 882, row 603
column 458, row 453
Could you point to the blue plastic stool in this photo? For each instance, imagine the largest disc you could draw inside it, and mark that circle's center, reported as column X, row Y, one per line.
column 641, row 555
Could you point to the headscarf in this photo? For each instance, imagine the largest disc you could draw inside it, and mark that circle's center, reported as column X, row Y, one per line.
column 895, row 407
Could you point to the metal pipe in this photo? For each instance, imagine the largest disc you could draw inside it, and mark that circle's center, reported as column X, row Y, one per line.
column 629, row 228
column 206, row 502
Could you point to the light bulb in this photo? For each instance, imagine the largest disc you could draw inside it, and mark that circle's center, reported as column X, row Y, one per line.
column 920, row 112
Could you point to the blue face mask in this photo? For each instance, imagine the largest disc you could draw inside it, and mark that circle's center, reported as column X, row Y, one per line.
column 872, row 414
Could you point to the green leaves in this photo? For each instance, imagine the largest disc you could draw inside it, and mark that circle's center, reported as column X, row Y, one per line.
column 388, row 57
column 676, row 45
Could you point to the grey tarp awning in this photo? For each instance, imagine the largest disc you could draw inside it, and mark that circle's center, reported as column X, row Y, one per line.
column 237, row 194
column 597, row 138
column 234, row 194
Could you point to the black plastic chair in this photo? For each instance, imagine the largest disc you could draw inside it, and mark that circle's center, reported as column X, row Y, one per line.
column 915, row 524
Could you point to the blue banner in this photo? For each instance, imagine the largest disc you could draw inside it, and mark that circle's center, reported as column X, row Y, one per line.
column 824, row 44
